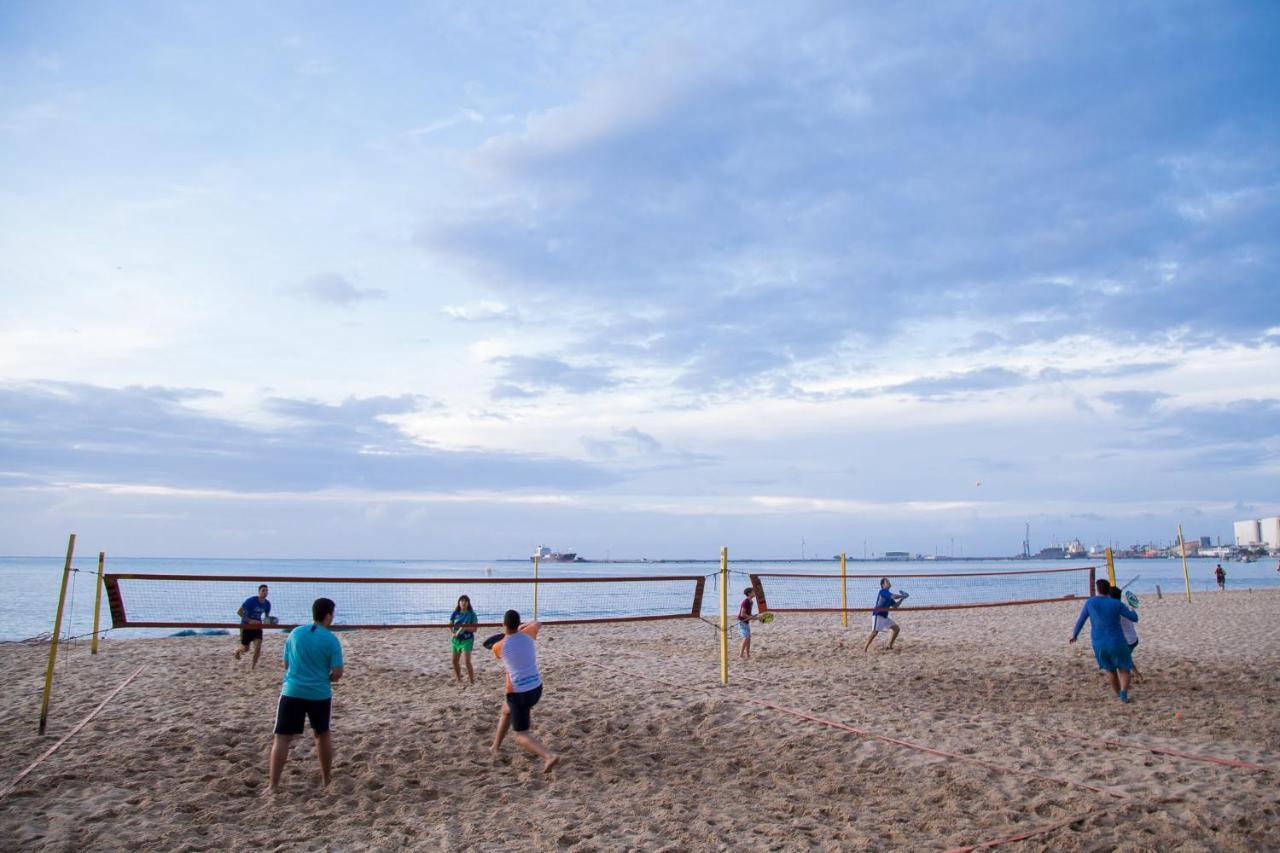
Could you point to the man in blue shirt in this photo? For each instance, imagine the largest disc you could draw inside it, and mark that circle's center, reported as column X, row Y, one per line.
column 1110, row 648
column 254, row 611
column 880, row 620
column 313, row 662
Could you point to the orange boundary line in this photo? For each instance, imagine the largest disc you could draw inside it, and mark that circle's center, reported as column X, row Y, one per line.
column 80, row 725
column 990, row 765
column 1159, row 750
column 1023, row 836
column 1162, row 750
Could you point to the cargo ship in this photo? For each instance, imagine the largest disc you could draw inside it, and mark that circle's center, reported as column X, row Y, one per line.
column 543, row 554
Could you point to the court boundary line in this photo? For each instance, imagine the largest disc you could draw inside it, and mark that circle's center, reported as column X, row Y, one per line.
column 78, row 726
column 967, row 759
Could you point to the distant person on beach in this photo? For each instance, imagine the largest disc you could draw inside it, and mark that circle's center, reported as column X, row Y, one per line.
column 744, row 622
column 1109, row 647
column 519, row 655
column 254, row 611
column 313, row 664
column 880, row 620
column 462, row 640
column 1221, row 574
column 1130, row 632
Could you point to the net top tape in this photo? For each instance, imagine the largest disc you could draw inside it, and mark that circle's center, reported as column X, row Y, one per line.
column 267, row 579
column 837, row 575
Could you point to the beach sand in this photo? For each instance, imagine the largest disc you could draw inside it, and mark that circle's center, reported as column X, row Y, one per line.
column 659, row 756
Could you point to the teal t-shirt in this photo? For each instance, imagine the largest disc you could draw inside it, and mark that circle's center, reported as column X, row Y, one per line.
column 309, row 653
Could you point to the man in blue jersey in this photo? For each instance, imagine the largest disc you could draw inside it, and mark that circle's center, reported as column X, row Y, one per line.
column 313, row 663
column 880, row 620
column 1107, row 636
column 253, row 612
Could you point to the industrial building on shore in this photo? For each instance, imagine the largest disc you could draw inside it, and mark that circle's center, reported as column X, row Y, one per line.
column 1258, row 533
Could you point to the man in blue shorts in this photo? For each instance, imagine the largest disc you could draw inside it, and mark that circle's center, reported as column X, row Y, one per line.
column 253, row 612
column 1109, row 646
column 313, row 662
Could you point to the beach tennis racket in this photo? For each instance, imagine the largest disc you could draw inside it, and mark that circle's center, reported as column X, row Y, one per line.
column 766, row 618
column 1131, row 600
column 272, row 620
column 900, row 597
column 492, row 641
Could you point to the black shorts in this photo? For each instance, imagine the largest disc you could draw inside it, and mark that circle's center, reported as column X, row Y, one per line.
column 248, row 635
column 521, row 704
column 291, row 712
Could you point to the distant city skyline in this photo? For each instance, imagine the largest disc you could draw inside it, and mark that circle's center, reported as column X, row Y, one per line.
column 295, row 280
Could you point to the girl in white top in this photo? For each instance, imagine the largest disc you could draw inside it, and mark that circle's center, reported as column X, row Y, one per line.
column 1130, row 632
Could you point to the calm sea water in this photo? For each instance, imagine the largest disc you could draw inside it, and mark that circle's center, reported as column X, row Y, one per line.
column 29, row 587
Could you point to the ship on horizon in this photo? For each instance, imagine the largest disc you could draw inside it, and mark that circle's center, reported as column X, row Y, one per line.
column 543, row 554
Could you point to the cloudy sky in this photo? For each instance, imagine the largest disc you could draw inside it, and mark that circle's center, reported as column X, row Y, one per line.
column 448, row 280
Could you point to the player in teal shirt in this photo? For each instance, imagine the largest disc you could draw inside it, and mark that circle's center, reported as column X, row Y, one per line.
column 313, row 662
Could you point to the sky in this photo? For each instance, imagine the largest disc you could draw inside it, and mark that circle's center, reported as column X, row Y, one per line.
column 449, row 280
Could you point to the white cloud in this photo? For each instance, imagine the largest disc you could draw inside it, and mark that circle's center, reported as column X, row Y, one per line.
column 487, row 310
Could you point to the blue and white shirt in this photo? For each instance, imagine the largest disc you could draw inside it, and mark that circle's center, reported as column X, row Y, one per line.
column 255, row 609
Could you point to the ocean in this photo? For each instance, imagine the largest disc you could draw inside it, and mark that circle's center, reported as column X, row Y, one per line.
column 29, row 587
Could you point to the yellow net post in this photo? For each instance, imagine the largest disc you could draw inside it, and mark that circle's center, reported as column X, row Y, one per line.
column 844, row 593
column 1186, row 575
column 535, row 587
column 97, row 604
column 57, row 629
column 724, row 615
column 1111, row 568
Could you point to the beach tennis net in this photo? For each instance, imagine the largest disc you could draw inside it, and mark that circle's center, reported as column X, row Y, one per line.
column 856, row 593
column 211, row 601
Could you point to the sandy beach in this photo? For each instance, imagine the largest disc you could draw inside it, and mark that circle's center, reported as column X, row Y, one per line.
column 984, row 725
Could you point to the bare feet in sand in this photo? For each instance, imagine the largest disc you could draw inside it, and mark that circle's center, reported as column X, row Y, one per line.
column 549, row 763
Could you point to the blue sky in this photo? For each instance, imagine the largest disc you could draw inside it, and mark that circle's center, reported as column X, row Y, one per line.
column 297, row 279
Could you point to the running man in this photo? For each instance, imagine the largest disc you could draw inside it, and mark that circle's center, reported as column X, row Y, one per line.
column 1130, row 635
column 1221, row 574
column 313, row 664
column 516, row 649
column 254, row 611
column 1109, row 647
column 880, row 620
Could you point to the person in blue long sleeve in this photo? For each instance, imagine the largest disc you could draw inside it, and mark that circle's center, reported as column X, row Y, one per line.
column 1109, row 646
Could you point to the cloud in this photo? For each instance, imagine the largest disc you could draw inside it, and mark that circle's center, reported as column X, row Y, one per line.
column 610, row 107
column 484, row 311
column 979, row 379
column 521, row 375
column 460, row 117
column 334, row 289
column 624, row 441
column 997, row 174
column 1133, row 403
column 146, row 436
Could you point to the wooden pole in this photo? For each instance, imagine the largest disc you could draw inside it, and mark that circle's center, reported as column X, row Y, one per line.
column 844, row 593
column 535, row 587
column 57, row 629
column 1111, row 566
column 724, row 615
column 1186, row 575
column 97, row 604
